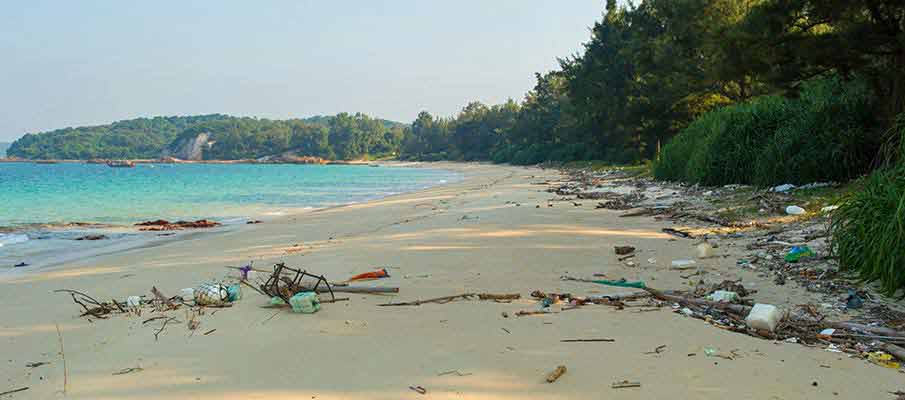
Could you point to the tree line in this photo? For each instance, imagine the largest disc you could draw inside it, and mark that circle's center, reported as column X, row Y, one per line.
column 649, row 70
column 645, row 74
column 343, row 136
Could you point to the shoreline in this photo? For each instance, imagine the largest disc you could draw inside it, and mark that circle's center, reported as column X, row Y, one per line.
column 180, row 161
column 128, row 237
column 492, row 232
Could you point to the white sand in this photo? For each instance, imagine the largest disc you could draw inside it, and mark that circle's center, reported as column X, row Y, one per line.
column 443, row 241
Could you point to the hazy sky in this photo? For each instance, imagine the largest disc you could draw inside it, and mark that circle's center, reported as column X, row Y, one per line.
column 70, row 63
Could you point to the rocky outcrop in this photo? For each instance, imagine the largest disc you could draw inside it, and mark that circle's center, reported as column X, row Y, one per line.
column 189, row 148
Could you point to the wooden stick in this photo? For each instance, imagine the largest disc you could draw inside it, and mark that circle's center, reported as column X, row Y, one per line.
column 65, row 367
column 21, row 389
column 587, row 340
column 524, row 313
column 558, row 372
column 359, row 289
column 625, row 384
column 163, row 299
column 447, row 299
column 438, row 300
column 162, row 327
column 336, row 300
column 491, row 296
column 734, row 308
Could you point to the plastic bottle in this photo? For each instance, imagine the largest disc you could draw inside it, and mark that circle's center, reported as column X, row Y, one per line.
column 133, row 301
column 764, row 317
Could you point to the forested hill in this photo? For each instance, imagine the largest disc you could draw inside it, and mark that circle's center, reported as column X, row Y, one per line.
column 343, row 136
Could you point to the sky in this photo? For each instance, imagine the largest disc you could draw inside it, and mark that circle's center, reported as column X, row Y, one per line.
column 75, row 63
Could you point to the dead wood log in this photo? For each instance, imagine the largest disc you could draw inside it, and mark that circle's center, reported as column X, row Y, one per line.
column 876, row 330
column 895, row 350
column 733, row 308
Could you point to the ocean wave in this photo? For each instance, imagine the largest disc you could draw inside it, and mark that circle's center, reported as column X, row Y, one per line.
column 12, row 238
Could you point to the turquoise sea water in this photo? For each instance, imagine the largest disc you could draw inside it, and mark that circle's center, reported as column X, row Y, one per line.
column 63, row 193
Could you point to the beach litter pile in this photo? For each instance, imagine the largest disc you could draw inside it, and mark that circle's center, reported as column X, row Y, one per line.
column 284, row 287
column 164, row 225
column 724, row 306
column 784, row 242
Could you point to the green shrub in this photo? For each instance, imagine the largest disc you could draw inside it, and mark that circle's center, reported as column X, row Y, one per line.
column 828, row 134
column 533, row 154
column 686, row 153
column 868, row 229
column 830, row 137
column 732, row 152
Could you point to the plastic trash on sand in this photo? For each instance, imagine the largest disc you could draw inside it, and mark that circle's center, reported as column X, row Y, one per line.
column 188, row 293
column 764, row 317
column 305, row 303
column 234, row 292
column 682, row 263
column 211, row 294
column 882, row 359
column 797, row 253
column 782, row 188
column 853, row 301
column 794, row 210
column 380, row 273
column 621, row 283
column 705, row 250
column 723, row 296
column 133, row 301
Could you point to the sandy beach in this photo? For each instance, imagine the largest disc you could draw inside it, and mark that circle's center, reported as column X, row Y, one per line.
column 483, row 234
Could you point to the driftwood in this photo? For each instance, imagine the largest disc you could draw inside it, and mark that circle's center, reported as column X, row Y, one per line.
column 894, row 350
column 162, row 327
column 804, row 327
column 733, row 308
column 359, row 289
column 875, row 330
column 676, row 232
column 65, row 366
column 625, row 384
column 465, row 296
column 586, row 340
column 526, row 313
column 92, row 306
column 558, row 372
column 21, row 389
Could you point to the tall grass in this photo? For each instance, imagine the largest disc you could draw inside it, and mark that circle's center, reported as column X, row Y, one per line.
column 868, row 229
column 731, row 153
column 828, row 134
column 830, row 137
